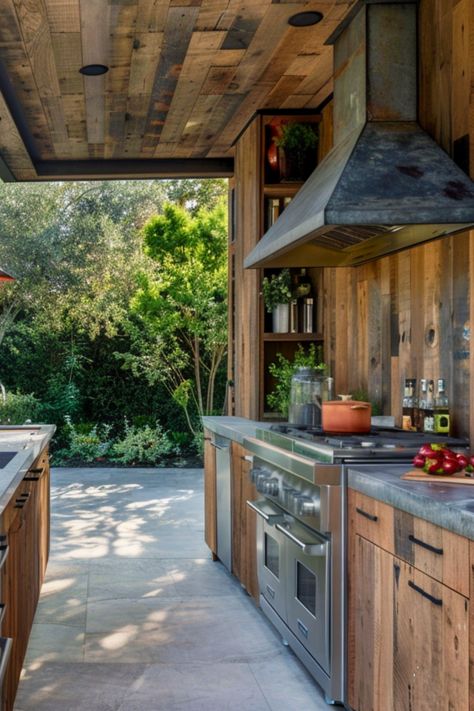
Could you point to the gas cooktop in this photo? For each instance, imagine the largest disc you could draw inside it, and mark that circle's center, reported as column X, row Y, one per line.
column 380, row 443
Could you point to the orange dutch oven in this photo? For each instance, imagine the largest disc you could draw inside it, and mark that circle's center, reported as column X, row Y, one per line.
column 346, row 416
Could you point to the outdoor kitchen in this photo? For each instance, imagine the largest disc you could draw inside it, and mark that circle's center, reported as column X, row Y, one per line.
column 336, row 545
column 356, row 540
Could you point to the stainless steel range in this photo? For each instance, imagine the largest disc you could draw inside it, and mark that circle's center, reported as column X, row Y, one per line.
column 301, row 530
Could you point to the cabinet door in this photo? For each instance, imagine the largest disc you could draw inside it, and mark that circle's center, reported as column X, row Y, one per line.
column 408, row 636
column 244, row 524
column 370, row 636
column 431, row 643
column 210, row 496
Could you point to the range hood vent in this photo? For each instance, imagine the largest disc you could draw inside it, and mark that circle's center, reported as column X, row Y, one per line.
column 386, row 185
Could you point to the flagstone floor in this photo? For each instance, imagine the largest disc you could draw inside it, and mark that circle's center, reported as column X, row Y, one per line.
column 135, row 616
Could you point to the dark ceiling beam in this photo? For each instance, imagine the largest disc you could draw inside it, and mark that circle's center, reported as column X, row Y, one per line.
column 123, row 169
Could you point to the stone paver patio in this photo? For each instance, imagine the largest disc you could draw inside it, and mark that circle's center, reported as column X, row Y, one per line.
column 134, row 615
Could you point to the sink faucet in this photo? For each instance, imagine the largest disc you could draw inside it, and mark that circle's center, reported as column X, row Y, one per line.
column 4, row 393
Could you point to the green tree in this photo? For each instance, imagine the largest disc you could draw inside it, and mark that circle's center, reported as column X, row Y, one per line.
column 180, row 309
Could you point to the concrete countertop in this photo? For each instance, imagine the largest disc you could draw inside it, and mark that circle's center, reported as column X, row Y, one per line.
column 448, row 505
column 28, row 441
column 235, row 428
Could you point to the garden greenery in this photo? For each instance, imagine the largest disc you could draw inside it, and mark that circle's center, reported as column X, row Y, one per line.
column 115, row 328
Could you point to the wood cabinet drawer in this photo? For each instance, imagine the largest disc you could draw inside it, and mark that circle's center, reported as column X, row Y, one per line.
column 435, row 551
column 431, row 549
column 371, row 519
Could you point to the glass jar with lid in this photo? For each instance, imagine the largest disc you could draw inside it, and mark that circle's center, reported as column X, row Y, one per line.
column 309, row 387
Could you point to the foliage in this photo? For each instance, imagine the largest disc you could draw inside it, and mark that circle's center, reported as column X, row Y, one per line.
column 180, row 329
column 297, row 137
column 282, row 370
column 18, row 408
column 84, row 444
column 362, row 395
column 69, row 323
column 277, row 289
column 143, row 445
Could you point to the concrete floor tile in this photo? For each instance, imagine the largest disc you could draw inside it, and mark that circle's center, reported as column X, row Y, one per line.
column 286, row 685
column 54, row 642
column 63, row 600
column 201, row 577
column 133, row 578
column 75, row 687
column 208, row 629
column 226, row 687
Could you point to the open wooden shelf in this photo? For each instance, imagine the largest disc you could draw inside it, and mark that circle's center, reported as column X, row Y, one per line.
column 281, row 190
column 293, row 337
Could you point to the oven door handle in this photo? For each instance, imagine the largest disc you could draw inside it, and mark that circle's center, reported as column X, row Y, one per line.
column 265, row 513
column 314, row 549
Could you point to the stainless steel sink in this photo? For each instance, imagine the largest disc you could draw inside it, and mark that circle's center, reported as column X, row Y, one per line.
column 6, row 457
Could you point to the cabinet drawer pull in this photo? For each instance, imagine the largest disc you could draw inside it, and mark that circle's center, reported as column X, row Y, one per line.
column 5, row 651
column 438, row 551
column 4, row 548
column 270, row 591
column 434, row 600
column 302, row 628
column 371, row 517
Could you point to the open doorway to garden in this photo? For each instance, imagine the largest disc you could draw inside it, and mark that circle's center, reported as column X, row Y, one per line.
column 115, row 328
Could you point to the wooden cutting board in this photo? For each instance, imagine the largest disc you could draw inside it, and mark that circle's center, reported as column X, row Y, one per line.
column 420, row 475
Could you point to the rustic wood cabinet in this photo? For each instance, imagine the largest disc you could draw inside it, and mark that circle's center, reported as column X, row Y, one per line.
column 244, row 524
column 26, row 525
column 408, row 641
column 210, row 495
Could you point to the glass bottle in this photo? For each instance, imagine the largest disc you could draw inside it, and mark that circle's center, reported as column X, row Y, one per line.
column 408, row 411
column 428, row 422
column 421, row 405
column 441, row 409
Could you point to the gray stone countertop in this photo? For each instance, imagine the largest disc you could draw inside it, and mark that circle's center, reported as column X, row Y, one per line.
column 235, row 428
column 27, row 442
column 448, row 505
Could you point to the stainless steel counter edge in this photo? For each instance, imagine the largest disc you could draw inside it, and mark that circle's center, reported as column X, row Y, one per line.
column 12, row 474
column 235, row 428
column 450, row 506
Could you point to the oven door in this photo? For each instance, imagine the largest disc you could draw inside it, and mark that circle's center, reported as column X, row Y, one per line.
column 308, row 588
column 271, row 557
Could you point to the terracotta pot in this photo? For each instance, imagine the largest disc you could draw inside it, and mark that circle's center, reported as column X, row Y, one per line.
column 346, row 416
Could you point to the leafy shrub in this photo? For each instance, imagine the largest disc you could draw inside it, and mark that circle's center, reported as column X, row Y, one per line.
column 18, row 408
column 86, row 444
column 282, row 371
column 143, row 445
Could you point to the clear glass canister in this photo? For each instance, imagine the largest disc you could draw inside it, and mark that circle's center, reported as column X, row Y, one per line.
column 309, row 387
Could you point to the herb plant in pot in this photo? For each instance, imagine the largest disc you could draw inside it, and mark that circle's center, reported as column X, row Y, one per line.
column 277, row 297
column 297, row 145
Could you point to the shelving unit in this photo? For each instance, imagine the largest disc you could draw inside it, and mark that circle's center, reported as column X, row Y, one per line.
column 274, row 198
column 252, row 345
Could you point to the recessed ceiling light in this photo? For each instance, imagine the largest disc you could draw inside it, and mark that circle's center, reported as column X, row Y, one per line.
column 305, row 19
column 94, row 70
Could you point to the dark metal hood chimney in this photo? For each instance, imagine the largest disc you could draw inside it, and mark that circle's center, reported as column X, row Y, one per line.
column 386, row 185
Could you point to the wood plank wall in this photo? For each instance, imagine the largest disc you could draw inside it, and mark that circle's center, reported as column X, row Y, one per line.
column 410, row 315
column 246, row 324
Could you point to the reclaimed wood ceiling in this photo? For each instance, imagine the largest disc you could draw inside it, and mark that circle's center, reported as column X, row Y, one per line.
column 185, row 77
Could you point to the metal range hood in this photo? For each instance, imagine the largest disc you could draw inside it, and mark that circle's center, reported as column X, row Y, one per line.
column 386, row 185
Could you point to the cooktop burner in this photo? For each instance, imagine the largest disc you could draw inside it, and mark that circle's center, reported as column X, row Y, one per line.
column 379, row 438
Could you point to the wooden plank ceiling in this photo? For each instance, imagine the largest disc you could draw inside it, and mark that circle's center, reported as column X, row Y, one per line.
column 185, row 76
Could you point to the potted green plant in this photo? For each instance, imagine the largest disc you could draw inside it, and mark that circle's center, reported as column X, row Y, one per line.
column 297, row 145
column 277, row 296
column 282, row 371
